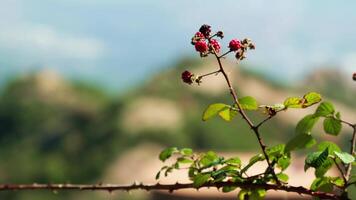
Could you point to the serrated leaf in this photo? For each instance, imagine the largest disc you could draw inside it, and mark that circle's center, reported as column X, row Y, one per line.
column 316, row 159
column 332, row 126
column 248, row 103
column 167, row 153
column 227, row 113
column 345, row 157
column 200, row 179
column 311, row 98
column 300, row 141
column 332, row 147
column 213, row 110
column 321, row 170
column 306, row 124
column 293, row 102
column 325, row 109
column 186, row 151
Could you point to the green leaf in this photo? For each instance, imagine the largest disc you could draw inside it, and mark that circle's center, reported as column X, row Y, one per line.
column 306, row 124
column 227, row 113
column 275, row 151
column 209, row 159
column 345, row 157
column 186, row 152
column 283, row 162
column 293, row 102
column 321, row 170
column 158, row 175
column 337, row 181
column 183, row 160
column 282, row 177
column 226, row 189
column 200, row 179
column 167, row 153
column 332, row 126
column 332, row 147
column 325, row 109
column 277, row 107
column 300, row 141
column 234, row 161
column 316, row 159
column 253, row 160
column 322, row 184
column 308, row 99
column 257, row 194
column 192, row 172
column 311, row 98
column 213, row 110
column 243, row 194
column 248, row 103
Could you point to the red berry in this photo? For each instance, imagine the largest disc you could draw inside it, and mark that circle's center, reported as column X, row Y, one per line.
column 216, row 45
column 354, row 76
column 187, row 77
column 234, row 45
column 205, row 30
column 199, row 35
column 201, row 46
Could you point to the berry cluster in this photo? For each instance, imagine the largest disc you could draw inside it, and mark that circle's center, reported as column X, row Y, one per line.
column 206, row 43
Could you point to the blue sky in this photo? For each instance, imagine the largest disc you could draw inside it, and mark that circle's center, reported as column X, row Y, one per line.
column 119, row 42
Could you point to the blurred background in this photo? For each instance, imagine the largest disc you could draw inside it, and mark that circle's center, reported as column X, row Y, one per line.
column 90, row 90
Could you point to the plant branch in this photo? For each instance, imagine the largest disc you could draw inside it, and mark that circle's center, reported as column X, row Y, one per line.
column 225, row 54
column 168, row 187
column 352, row 152
column 208, row 74
column 245, row 117
column 268, row 118
column 341, row 171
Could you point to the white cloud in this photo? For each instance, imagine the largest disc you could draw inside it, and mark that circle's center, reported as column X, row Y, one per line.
column 45, row 40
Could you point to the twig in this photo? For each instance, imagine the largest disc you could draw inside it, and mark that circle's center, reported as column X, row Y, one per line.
column 168, row 187
column 341, row 172
column 352, row 152
column 225, row 54
column 268, row 118
column 215, row 72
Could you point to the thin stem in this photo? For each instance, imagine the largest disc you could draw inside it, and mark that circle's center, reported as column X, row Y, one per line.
column 245, row 117
column 168, row 187
column 225, row 54
column 268, row 118
column 208, row 74
column 352, row 152
column 341, row 171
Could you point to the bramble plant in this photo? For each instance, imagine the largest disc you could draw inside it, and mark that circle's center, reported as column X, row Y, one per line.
column 211, row 170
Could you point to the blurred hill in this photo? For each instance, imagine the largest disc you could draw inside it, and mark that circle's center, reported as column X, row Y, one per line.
column 55, row 130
